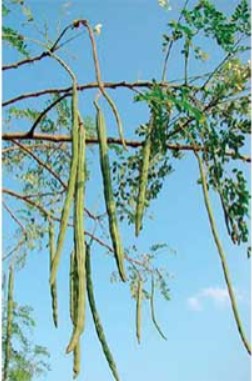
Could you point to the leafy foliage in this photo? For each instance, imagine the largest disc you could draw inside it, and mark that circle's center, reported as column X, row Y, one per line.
column 28, row 360
column 205, row 17
column 15, row 40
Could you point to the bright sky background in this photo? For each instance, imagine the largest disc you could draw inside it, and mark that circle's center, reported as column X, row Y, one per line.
column 203, row 342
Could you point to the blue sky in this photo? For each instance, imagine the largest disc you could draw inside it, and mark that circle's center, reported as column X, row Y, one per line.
column 203, row 343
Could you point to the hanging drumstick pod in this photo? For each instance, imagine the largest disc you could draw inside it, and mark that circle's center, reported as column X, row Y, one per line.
column 108, row 192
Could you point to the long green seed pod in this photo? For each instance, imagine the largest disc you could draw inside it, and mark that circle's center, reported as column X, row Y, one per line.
column 143, row 181
column 79, row 242
column 108, row 193
column 139, row 299
column 71, row 185
column 53, row 286
column 153, row 317
column 74, row 288
column 71, row 287
column 96, row 318
column 222, row 255
column 10, row 307
column 77, row 360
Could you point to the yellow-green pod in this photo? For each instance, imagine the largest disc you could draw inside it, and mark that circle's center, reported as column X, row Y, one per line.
column 76, row 360
column 79, row 242
column 143, row 181
column 53, row 286
column 10, row 307
column 108, row 193
column 96, row 318
column 74, row 286
column 71, row 286
column 139, row 298
column 71, row 185
column 153, row 317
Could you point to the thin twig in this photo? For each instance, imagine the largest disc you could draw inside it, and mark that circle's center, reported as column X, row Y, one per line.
column 26, row 61
column 41, row 163
column 166, row 59
column 14, row 249
column 45, row 213
column 19, row 196
column 40, row 56
column 170, row 45
column 44, row 112
column 220, row 65
column 45, row 194
column 14, row 217
column 50, row 170
column 40, row 146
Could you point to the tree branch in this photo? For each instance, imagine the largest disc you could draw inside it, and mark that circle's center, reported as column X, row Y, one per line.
column 44, row 112
column 130, row 143
column 88, row 86
column 26, row 61
column 39, row 56
column 22, row 197
column 14, row 217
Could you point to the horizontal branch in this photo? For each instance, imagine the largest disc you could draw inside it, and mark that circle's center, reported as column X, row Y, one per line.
column 130, row 143
column 26, row 61
column 88, row 86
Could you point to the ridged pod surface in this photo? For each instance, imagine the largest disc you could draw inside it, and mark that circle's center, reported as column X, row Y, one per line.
column 77, row 360
column 10, row 307
column 53, row 286
column 71, row 185
column 71, row 286
column 96, row 318
column 79, row 242
column 74, row 288
column 108, row 193
column 143, row 180
column 139, row 298
column 153, row 317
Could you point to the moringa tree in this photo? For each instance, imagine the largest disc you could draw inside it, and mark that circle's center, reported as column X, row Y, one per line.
column 48, row 141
